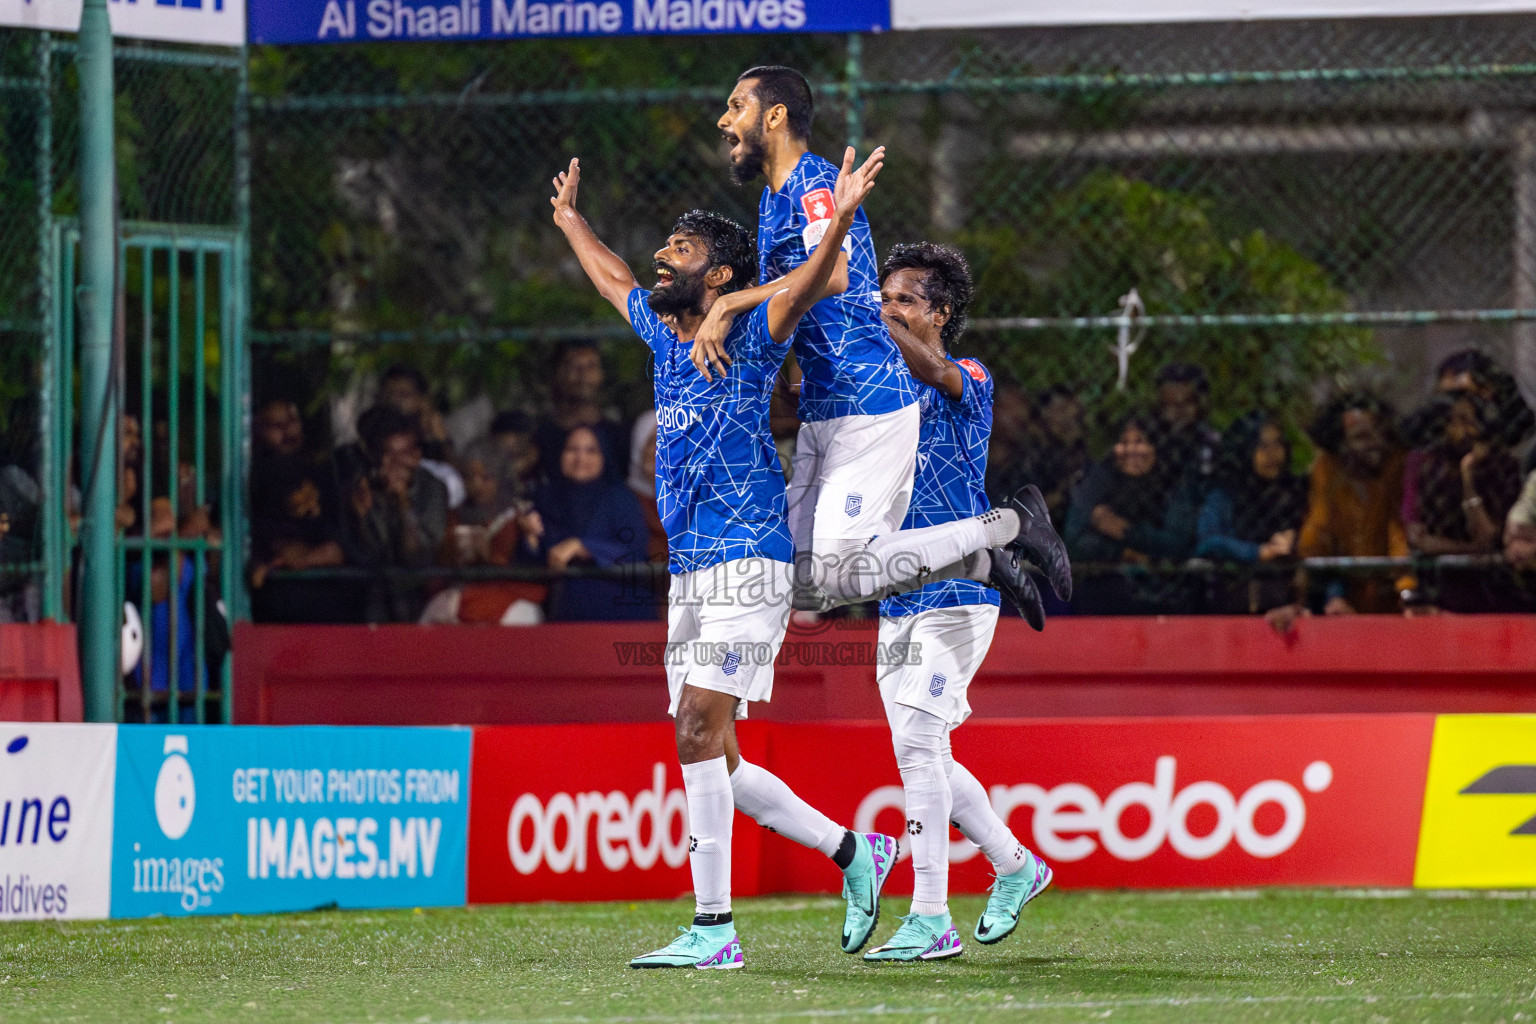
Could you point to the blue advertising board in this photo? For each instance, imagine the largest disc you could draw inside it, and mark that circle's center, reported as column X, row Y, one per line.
column 343, row 21
column 213, row 820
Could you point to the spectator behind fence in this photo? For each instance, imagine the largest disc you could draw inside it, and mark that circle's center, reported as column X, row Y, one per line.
column 642, row 480
column 1133, row 508
column 1478, row 373
column 295, row 524
column 1014, row 435
column 512, row 432
column 397, row 513
column 590, row 520
column 21, row 504
column 576, row 401
column 1189, row 442
column 1059, row 456
column 491, row 528
column 1458, row 490
column 1251, row 514
column 1457, row 497
column 404, row 389
column 1355, row 500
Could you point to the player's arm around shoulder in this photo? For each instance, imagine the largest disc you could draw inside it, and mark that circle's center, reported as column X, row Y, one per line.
column 927, row 364
column 610, row 274
column 807, row 287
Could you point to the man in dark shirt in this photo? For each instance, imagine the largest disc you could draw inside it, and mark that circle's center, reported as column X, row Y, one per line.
column 293, row 522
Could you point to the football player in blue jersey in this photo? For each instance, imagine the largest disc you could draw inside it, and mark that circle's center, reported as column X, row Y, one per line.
column 721, row 497
column 851, row 477
column 925, row 290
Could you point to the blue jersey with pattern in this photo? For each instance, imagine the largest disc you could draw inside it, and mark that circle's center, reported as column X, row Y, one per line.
column 719, row 482
column 851, row 366
column 950, row 481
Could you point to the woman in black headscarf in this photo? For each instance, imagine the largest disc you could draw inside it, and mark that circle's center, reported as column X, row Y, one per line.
column 1252, row 514
column 587, row 519
column 1133, row 508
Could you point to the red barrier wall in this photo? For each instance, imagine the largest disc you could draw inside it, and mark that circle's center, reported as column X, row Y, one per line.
column 39, row 674
column 410, row 675
column 597, row 812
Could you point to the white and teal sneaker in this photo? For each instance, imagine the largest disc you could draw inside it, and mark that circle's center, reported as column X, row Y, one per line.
column 711, row 947
column 862, row 882
column 1009, row 894
column 920, row 937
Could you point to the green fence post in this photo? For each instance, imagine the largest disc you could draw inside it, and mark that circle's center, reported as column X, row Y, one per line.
column 99, row 641
column 55, row 368
column 855, row 79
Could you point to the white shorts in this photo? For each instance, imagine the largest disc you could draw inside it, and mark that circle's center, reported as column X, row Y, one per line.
column 725, row 625
column 852, row 476
column 945, row 647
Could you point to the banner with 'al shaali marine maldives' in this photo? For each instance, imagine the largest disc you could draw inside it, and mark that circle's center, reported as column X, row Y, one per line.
column 341, row 21
column 210, row 820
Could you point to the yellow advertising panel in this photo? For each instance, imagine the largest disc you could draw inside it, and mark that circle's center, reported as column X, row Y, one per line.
column 1479, row 826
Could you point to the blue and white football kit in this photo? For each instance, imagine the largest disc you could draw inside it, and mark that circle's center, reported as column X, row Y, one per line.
column 946, row 628
column 853, row 376
column 720, row 496
column 949, row 622
column 856, row 451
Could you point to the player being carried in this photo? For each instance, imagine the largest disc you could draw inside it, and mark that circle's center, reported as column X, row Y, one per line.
column 856, row 451
column 925, row 290
column 721, row 497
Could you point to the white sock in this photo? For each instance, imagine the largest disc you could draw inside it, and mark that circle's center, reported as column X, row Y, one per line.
column 851, row 571
column 710, row 810
column 928, row 807
column 920, row 740
column 973, row 815
column 764, row 797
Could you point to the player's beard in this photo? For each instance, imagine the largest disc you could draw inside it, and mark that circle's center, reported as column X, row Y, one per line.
column 754, row 154
column 683, row 297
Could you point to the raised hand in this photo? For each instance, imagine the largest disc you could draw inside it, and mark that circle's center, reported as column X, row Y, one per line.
column 854, row 185
column 566, row 183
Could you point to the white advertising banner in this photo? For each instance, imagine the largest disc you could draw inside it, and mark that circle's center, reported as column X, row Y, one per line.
column 56, row 786
column 213, row 22
column 911, row 14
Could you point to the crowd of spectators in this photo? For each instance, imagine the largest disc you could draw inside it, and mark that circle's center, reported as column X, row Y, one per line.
column 405, row 517
column 1175, row 517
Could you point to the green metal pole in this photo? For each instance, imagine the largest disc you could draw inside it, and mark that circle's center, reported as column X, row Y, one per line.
column 855, row 82
column 99, row 641
column 55, row 369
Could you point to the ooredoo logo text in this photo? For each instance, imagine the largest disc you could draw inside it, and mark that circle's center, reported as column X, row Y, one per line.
column 644, row 829
column 1071, row 821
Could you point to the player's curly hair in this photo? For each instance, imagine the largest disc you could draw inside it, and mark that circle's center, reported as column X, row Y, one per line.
column 948, row 282
column 778, row 84
column 729, row 245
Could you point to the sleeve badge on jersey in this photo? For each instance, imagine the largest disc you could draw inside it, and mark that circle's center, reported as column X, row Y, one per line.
column 817, row 204
column 976, row 370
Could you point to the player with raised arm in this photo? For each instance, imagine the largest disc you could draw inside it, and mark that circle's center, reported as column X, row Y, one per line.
column 721, row 498
column 854, row 459
column 925, row 290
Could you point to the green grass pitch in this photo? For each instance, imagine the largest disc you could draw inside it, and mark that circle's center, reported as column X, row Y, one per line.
column 1310, row 955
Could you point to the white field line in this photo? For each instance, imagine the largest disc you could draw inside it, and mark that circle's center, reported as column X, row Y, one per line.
column 1009, row 1006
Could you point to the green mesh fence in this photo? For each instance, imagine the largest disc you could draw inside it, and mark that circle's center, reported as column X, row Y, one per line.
column 1299, row 208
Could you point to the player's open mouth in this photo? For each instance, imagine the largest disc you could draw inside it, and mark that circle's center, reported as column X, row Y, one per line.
column 733, row 139
column 664, row 275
